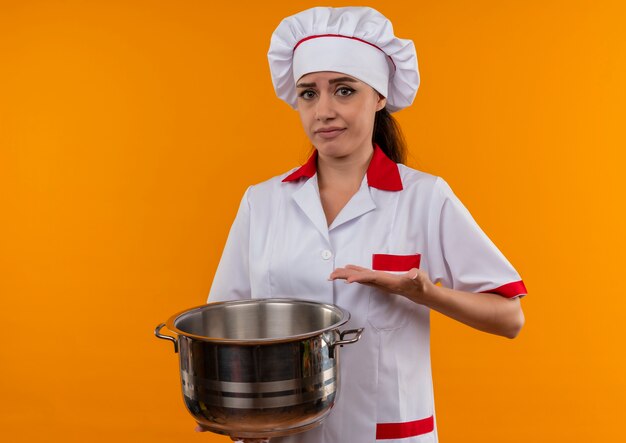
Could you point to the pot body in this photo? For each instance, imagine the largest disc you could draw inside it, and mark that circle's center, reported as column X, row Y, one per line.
column 262, row 367
column 259, row 390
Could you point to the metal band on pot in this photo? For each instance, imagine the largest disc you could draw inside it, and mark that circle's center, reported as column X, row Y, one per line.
column 267, row 402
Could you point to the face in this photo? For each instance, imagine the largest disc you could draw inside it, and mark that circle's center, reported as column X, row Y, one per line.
column 337, row 112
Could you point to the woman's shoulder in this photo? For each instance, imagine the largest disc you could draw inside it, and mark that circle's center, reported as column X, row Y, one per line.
column 416, row 180
column 268, row 188
column 421, row 184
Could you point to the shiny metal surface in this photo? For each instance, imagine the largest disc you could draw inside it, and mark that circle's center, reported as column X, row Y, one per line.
column 260, row 368
column 157, row 332
column 257, row 321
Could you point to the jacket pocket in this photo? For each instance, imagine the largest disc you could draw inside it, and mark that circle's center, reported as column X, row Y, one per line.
column 390, row 311
column 395, row 263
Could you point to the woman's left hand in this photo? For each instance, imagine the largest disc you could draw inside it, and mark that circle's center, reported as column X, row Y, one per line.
column 414, row 285
column 484, row 311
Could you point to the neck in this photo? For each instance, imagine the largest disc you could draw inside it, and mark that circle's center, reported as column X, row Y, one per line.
column 343, row 172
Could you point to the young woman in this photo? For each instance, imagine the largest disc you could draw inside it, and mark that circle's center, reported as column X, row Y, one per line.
column 357, row 228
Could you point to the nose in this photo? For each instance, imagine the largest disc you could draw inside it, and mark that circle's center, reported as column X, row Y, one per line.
column 324, row 109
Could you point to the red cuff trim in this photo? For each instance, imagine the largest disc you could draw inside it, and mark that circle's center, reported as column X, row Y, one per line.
column 388, row 431
column 395, row 263
column 510, row 290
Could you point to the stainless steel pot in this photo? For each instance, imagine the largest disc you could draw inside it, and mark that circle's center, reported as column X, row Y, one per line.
column 260, row 367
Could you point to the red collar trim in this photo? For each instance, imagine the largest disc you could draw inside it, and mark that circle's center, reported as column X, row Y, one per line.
column 307, row 170
column 382, row 173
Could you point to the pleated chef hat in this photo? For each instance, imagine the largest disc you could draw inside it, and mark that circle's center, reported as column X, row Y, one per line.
column 357, row 41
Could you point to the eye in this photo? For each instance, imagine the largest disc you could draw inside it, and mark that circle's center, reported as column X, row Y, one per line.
column 307, row 94
column 344, row 91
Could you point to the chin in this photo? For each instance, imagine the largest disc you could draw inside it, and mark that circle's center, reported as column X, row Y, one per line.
column 329, row 144
column 332, row 149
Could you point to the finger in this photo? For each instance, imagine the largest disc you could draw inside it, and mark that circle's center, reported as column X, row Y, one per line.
column 363, row 277
column 338, row 273
column 384, row 281
column 353, row 273
column 378, row 279
column 341, row 273
column 200, row 428
column 357, row 268
column 347, row 271
column 413, row 273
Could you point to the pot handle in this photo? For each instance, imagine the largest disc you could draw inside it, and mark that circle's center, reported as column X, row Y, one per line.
column 342, row 341
column 158, row 334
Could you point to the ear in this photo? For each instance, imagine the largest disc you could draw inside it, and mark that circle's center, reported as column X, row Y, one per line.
column 382, row 102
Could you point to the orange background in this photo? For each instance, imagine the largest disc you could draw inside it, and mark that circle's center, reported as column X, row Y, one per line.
column 130, row 129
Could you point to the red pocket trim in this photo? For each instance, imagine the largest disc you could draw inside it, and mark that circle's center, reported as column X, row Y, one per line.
column 392, row 431
column 397, row 263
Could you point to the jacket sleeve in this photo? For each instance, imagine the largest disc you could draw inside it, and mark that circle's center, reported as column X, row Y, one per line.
column 232, row 278
column 462, row 256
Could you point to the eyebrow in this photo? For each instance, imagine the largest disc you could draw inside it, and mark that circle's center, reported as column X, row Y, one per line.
column 331, row 81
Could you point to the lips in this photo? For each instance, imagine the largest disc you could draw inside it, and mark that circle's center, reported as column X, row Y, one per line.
column 329, row 132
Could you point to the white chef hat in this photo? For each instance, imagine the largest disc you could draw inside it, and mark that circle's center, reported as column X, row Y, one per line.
column 357, row 41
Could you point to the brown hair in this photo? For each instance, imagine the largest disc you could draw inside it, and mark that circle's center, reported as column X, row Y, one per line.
column 388, row 135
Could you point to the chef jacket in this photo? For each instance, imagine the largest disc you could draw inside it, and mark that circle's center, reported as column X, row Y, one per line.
column 280, row 245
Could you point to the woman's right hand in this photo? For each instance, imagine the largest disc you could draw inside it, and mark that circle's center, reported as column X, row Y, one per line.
column 200, row 428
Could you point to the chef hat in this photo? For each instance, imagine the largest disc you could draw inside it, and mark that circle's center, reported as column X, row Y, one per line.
column 357, row 41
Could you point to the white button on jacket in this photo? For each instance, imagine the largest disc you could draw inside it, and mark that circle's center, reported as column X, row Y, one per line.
column 400, row 218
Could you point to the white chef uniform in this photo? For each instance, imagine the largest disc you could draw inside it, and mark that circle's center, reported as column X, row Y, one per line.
column 281, row 246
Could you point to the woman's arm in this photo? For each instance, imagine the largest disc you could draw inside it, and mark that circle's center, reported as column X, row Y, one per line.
column 484, row 311
column 232, row 277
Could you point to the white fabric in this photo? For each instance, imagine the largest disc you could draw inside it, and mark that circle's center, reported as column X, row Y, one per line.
column 348, row 56
column 362, row 23
column 276, row 248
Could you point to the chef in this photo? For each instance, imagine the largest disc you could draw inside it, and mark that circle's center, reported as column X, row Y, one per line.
column 355, row 227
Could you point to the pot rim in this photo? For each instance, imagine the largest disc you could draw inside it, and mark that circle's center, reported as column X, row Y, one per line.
column 345, row 316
